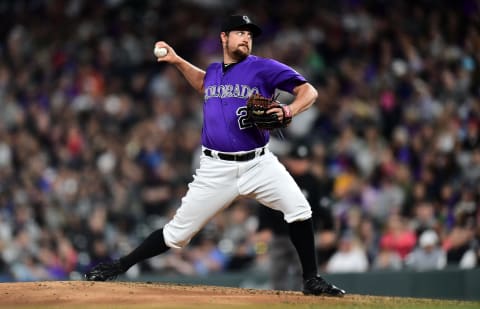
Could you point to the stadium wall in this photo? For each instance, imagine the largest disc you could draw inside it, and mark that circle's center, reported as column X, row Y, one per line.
column 446, row 284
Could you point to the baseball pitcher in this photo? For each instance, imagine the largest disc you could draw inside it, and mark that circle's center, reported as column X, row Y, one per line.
column 239, row 112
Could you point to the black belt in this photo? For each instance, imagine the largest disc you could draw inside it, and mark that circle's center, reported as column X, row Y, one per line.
column 235, row 157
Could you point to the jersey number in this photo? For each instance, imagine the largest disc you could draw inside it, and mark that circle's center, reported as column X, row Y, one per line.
column 243, row 120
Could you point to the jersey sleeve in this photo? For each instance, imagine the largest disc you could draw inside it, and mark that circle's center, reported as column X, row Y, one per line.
column 281, row 76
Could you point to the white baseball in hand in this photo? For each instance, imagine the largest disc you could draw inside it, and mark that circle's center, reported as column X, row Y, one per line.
column 160, row 51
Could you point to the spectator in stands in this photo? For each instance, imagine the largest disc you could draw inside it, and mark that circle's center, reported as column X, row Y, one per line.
column 428, row 255
column 206, row 257
column 398, row 236
column 350, row 256
column 460, row 243
column 387, row 259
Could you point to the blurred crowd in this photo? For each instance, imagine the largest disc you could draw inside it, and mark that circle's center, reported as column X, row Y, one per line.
column 98, row 141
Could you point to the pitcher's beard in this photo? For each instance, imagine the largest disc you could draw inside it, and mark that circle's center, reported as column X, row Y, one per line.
column 239, row 55
column 239, row 52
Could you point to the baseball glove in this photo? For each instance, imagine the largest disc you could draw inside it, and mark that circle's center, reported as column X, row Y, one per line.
column 257, row 107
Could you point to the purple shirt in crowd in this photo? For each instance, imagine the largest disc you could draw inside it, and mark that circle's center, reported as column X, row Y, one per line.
column 225, row 125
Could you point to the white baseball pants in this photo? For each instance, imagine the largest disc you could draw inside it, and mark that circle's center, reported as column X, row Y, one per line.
column 217, row 183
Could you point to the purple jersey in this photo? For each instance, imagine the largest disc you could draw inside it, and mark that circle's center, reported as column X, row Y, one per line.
column 226, row 126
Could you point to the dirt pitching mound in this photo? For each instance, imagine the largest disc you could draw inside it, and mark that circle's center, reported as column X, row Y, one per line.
column 83, row 294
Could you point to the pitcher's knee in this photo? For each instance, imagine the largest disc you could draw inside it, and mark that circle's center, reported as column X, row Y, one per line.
column 301, row 215
column 175, row 239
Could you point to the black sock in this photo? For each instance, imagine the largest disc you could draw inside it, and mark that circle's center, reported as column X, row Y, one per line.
column 301, row 234
column 153, row 245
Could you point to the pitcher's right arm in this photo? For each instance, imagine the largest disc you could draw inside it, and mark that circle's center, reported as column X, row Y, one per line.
column 194, row 75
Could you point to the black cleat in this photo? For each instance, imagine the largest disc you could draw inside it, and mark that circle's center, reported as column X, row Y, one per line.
column 318, row 286
column 105, row 271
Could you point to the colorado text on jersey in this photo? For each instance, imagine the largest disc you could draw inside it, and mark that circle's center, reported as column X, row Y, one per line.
column 230, row 91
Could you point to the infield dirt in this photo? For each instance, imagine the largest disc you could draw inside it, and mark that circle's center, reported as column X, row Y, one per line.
column 83, row 294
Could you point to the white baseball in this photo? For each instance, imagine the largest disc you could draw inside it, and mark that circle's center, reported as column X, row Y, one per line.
column 160, row 51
